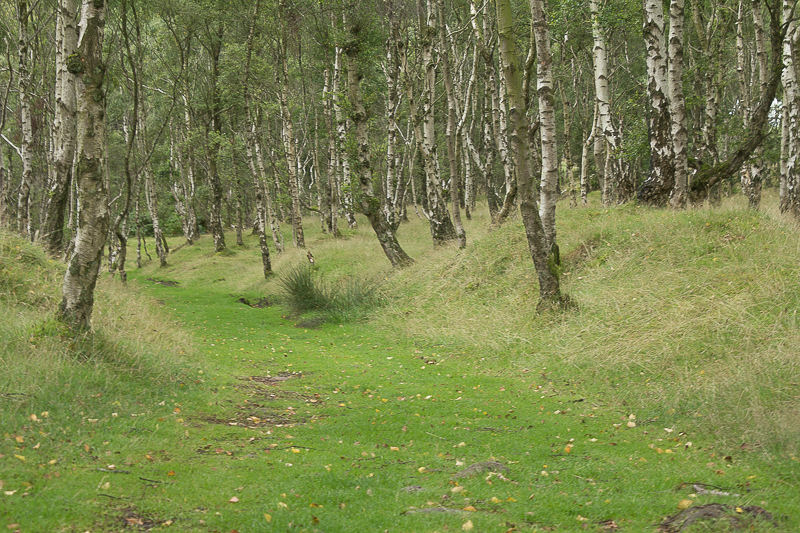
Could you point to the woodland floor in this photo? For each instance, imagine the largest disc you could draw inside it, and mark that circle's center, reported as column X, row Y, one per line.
column 345, row 427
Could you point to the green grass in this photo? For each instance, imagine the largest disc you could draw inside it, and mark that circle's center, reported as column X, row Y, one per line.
column 687, row 321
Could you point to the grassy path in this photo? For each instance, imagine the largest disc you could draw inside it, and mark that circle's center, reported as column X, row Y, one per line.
column 343, row 429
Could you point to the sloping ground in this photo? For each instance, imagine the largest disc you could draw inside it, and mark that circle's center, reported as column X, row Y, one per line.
column 690, row 314
column 455, row 406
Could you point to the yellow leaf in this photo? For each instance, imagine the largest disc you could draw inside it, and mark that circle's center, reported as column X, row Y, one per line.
column 495, row 499
column 20, row 457
column 684, row 504
column 469, row 508
column 20, row 439
column 268, row 517
column 467, row 526
column 739, row 510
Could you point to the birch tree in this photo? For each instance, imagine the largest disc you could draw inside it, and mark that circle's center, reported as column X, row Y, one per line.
column 657, row 187
column 543, row 256
column 63, row 151
column 84, row 263
column 547, row 120
column 369, row 203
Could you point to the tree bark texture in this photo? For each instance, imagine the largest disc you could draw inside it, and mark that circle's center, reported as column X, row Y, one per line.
column 84, row 263
column 542, row 255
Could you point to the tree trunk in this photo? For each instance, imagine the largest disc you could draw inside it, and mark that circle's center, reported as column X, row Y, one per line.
column 657, row 187
column 369, row 203
column 710, row 176
column 63, row 129
column 451, row 132
column 25, row 82
column 548, row 192
column 543, row 255
column 84, row 263
column 677, row 105
column 790, row 198
column 343, row 157
column 213, row 139
column 613, row 173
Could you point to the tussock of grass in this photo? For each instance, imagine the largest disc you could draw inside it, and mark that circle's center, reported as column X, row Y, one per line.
column 304, row 290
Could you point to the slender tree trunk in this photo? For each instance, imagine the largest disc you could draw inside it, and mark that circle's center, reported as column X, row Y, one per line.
column 451, row 132
column 613, row 173
column 179, row 190
column 542, row 254
column 213, row 139
column 63, row 129
column 151, row 196
column 756, row 167
column 343, row 157
column 84, row 263
column 677, row 105
column 790, row 198
column 290, row 150
column 25, row 82
column 333, row 156
column 392, row 72
column 548, row 194
column 657, row 187
column 370, row 204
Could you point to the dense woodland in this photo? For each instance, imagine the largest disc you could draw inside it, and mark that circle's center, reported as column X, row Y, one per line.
column 126, row 121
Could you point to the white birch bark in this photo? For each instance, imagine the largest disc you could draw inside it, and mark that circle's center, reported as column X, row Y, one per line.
column 344, row 190
column 790, row 199
column 656, row 188
column 290, row 151
column 542, row 255
column 677, row 105
column 548, row 191
column 63, row 134
column 25, row 81
column 603, row 95
column 84, row 263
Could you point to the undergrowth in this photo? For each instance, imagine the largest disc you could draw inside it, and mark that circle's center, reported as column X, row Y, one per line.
column 304, row 289
column 43, row 364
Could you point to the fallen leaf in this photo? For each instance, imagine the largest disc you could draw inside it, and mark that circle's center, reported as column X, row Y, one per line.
column 685, row 504
column 268, row 517
column 467, row 526
column 469, row 508
column 234, row 500
column 20, row 457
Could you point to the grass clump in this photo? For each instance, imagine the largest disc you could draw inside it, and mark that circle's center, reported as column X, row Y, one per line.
column 304, row 290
